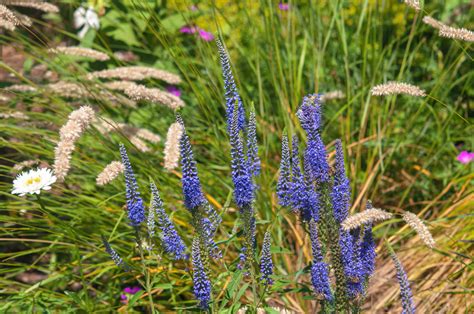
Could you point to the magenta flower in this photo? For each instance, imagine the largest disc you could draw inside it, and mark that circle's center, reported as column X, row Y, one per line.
column 207, row 36
column 127, row 292
column 173, row 90
column 465, row 157
column 188, row 29
column 284, row 6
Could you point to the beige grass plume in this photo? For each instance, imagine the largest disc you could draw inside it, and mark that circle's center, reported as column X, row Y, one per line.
column 134, row 134
column 80, row 52
column 449, row 31
column 456, row 33
column 20, row 88
column 392, row 88
column 172, row 151
column 415, row 4
column 432, row 22
column 370, row 215
column 136, row 73
column 337, row 94
column 110, row 172
column 79, row 120
column 25, row 164
column 119, row 85
column 8, row 20
column 416, row 224
column 73, row 90
column 15, row 115
column 38, row 5
column 155, row 95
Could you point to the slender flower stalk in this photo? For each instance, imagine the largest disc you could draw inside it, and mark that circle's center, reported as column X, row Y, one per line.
column 172, row 242
column 110, row 173
column 370, row 215
column 79, row 120
column 231, row 94
column 193, row 196
column 405, row 290
column 171, row 152
column 136, row 209
column 432, row 22
column 284, row 183
column 394, row 88
column 202, row 285
column 416, row 224
column 252, row 145
column 80, row 52
column 114, row 255
column 266, row 263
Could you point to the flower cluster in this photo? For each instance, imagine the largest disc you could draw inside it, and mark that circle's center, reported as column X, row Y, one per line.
column 266, row 263
column 136, row 209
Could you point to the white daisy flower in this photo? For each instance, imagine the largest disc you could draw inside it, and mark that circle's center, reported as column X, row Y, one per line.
column 33, row 181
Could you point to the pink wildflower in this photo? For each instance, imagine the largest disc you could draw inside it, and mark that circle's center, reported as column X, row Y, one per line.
column 173, row 90
column 188, row 29
column 128, row 291
column 284, row 6
column 465, row 157
column 207, row 36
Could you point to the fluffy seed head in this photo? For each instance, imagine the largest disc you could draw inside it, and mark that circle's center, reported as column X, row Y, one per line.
column 38, row 5
column 432, row 22
column 155, row 95
column 456, row 33
column 136, row 73
column 393, row 88
column 337, row 94
column 173, row 137
column 20, row 88
column 8, row 19
column 110, row 172
column 80, row 52
column 15, row 115
column 370, row 215
column 416, row 224
column 78, row 121
column 415, row 4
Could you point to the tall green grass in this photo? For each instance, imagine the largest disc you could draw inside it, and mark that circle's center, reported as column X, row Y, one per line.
column 400, row 150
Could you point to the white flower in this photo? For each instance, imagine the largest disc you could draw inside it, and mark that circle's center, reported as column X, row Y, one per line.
column 33, row 181
column 86, row 19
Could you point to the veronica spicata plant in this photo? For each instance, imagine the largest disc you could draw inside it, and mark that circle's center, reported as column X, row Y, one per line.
column 321, row 198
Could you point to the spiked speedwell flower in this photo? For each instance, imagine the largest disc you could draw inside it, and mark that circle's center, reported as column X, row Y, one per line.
column 231, row 94
column 243, row 186
column 367, row 252
column 193, row 196
column 209, row 232
column 202, row 285
column 284, row 184
column 298, row 189
column 341, row 190
column 319, row 269
column 405, row 291
column 252, row 147
column 136, row 209
column 266, row 263
column 172, row 242
column 114, row 255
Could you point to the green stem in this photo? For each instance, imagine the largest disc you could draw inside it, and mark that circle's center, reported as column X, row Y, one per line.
column 145, row 271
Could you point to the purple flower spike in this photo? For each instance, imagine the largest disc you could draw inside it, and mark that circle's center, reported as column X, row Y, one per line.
column 188, row 29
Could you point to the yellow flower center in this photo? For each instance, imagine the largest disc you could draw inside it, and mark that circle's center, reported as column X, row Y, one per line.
column 30, row 181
